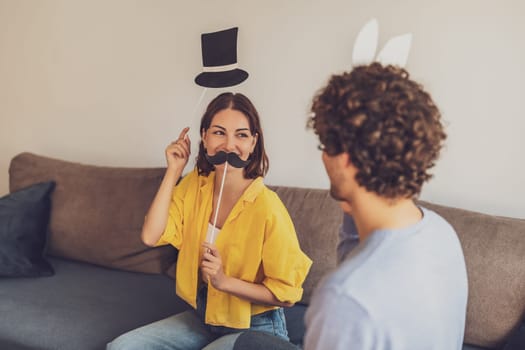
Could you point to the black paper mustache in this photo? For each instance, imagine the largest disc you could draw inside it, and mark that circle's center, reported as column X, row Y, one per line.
column 232, row 158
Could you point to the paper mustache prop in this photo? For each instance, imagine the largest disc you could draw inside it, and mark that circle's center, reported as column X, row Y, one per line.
column 232, row 158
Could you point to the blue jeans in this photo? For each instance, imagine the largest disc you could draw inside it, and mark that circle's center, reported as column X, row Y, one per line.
column 187, row 331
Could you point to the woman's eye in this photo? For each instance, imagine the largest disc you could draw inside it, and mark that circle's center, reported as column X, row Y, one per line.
column 218, row 132
column 242, row 135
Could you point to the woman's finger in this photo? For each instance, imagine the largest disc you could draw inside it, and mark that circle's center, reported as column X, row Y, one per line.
column 212, row 249
column 178, row 150
column 185, row 145
column 209, row 268
column 183, row 133
column 211, row 258
column 206, row 256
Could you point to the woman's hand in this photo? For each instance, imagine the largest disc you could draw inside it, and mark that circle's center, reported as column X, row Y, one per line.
column 211, row 266
column 212, row 272
column 178, row 152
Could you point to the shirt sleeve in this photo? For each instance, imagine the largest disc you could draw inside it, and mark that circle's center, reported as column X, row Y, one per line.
column 284, row 263
column 339, row 322
column 173, row 232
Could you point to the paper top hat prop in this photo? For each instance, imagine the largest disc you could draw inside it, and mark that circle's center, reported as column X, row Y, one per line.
column 395, row 51
column 219, row 60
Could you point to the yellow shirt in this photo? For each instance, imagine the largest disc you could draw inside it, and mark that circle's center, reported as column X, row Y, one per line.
column 257, row 244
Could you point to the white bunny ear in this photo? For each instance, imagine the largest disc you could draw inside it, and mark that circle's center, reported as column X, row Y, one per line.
column 366, row 44
column 395, row 51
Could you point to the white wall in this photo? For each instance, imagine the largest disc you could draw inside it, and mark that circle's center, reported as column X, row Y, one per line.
column 110, row 82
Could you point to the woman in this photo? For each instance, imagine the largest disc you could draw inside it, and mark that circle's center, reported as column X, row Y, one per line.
column 254, row 266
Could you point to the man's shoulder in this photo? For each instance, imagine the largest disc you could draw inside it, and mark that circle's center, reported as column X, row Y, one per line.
column 436, row 220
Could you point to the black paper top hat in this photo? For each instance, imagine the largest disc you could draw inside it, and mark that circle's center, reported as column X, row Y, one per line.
column 219, row 60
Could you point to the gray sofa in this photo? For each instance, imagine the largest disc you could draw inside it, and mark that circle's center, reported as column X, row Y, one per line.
column 107, row 282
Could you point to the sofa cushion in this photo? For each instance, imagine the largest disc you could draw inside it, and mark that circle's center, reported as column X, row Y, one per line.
column 97, row 212
column 494, row 249
column 295, row 323
column 24, row 216
column 317, row 219
column 81, row 307
column 473, row 347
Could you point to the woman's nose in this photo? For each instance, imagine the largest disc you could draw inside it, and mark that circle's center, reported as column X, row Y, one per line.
column 230, row 144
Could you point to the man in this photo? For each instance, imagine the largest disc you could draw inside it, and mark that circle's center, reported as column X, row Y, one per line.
column 404, row 286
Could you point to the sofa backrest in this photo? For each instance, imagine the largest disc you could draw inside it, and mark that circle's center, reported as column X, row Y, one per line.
column 97, row 215
column 317, row 219
column 97, row 212
column 494, row 249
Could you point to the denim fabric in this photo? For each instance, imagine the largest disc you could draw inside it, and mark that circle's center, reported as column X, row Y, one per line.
column 187, row 331
column 272, row 321
column 184, row 331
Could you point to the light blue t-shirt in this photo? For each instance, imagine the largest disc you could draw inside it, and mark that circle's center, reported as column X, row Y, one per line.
column 398, row 290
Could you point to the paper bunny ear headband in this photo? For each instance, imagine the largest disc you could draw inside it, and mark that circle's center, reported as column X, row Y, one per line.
column 395, row 52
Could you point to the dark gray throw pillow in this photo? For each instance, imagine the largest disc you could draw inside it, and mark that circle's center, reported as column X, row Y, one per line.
column 24, row 217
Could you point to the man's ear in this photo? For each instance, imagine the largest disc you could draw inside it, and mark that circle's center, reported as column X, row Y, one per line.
column 345, row 160
column 347, row 164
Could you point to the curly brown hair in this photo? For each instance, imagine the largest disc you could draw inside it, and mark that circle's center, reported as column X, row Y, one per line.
column 259, row 162
column 386, row 122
